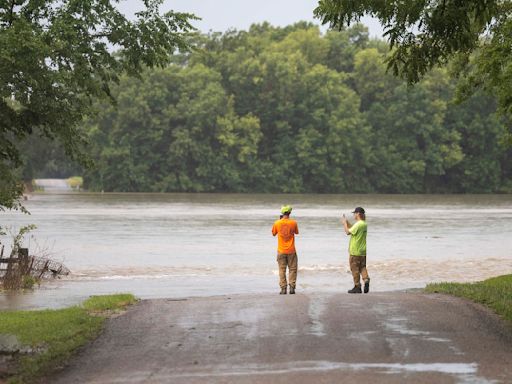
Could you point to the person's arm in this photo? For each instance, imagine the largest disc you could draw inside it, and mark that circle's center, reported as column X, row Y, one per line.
column 274, row 230
column 296, row 229
column 346, row 225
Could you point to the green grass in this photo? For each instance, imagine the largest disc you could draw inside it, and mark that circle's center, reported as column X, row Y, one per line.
column 108, row 303
column 60, row 331
column 496, row 293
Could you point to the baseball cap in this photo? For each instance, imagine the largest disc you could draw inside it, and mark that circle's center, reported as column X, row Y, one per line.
column 286, row 209
column 359, row 210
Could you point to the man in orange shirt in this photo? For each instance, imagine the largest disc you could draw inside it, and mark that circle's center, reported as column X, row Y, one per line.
column 286, row 229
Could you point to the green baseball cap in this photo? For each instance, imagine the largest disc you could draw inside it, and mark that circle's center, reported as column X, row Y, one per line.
column 286, row 209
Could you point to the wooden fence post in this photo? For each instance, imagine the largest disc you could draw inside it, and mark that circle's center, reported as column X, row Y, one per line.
column 23, row 262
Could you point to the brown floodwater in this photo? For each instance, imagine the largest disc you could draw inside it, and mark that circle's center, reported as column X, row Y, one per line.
column 178, row 245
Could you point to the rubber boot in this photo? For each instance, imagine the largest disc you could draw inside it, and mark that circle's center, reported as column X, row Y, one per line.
column 367, row 286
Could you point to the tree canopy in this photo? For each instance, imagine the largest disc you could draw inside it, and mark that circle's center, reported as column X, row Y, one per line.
column 424, row 34
column 57, row 58
column 291, row 110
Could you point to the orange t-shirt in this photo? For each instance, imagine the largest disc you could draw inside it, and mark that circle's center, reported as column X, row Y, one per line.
column 285, row 229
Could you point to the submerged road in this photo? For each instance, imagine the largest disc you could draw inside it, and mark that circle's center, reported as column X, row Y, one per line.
column 322, row 338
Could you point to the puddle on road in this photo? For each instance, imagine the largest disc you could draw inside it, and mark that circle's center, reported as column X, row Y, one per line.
column 317, row 306
column 465, row 372
column 362, row 336
column 399, row 325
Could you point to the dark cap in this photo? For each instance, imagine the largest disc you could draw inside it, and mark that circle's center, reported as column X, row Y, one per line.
column 359, row 210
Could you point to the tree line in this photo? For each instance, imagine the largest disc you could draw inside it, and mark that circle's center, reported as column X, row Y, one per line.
column 287, row 110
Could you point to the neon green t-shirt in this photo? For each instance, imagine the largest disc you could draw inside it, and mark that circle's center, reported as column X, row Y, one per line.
column 357, row 246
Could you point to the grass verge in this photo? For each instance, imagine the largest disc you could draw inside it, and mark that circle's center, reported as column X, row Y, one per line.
column 57, row 332
column 495, row 293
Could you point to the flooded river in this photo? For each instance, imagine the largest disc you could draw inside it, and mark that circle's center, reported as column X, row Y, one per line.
column 179, row 245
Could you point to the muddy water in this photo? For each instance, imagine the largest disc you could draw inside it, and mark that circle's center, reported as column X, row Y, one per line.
column 177, row 245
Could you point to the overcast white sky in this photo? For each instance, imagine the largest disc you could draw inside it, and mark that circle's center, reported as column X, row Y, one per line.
column 221, row 15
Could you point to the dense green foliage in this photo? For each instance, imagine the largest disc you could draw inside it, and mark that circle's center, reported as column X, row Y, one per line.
column 57, row 332
column 424, row 34
column 292, row 110
column 56, row 58
column 496, row 293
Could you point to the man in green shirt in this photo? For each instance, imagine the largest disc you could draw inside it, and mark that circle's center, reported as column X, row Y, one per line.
column 357, row 250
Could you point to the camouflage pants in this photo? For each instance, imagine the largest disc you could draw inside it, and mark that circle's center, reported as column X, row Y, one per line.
column 358, row 268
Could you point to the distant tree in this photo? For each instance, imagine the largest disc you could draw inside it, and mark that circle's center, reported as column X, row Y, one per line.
column 343, row 45
column 44, row 157
column 424, row 34
column 56, row 57
column 175, row 130
column 483, row 141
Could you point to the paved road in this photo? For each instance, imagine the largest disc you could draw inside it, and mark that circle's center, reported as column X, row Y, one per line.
column 323, row 338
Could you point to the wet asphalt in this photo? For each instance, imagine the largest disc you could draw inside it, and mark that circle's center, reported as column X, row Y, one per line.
column 395, row 337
